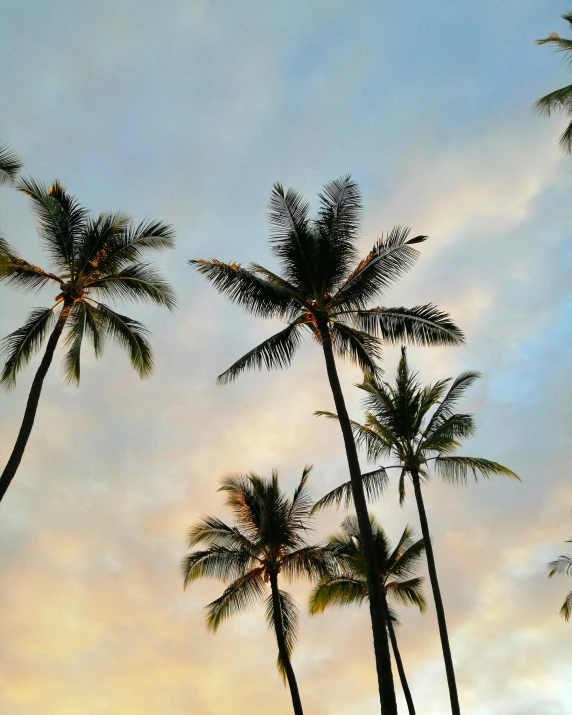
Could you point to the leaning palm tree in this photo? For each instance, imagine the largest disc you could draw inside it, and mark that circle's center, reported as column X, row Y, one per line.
column 561, row 99
column 417, row 427
column 269, row 539
column 93, row 257
column 10, row 166
column 563, row 565
column 325, row 290
column 347, row 585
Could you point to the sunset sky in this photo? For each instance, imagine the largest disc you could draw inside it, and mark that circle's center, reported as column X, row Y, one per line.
column 188, row 111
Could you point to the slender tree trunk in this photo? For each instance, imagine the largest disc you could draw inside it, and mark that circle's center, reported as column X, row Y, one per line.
column 377, row 604
column 455, row 707
column 282, row 650
column 32, row 404
column 400, row 668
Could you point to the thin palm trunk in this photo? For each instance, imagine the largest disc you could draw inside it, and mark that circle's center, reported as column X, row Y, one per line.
column 400, row 668
column 377, row 605
column 455, row 707
column 32, row 404
column 279, row 628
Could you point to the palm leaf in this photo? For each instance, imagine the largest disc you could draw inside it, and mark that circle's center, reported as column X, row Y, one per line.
column 361, row 348
column 21, row 274
column 217, row 562
column 334, row 590
column 289, row 618
column 241, row 286
column 10, row 165
column 22, row 344
column 374, row 484
column 408, row 593
column 447, row 406
column 301, row 502
column 566, row 610
column 243, row 593
column 276, row 352
column 562, row 565
column 457, row 469
column 130, row 334
column 423, row 325
column 75, row 329
column 140, row 281
column 211, row 530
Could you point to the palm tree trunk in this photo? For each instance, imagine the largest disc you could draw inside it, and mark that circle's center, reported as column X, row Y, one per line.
column 455, row 707
column 377, row 604
column 400, row 668
column 32, row 404
column 282, row 650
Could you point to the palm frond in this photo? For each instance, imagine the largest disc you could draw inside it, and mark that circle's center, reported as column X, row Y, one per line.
column 140, row 281
column 565, row 140
column 562, row 565
column 61, row 220
column 374, row 484
column 257, row 295
column 457, row 469
column 561, row 44
column 390, row 258
column 18, row 347
column 301, row 501
column 360, row 347
column 289, row 619
column 243, row 593
column 214, row 532
column 566, row 610
column 75, row 329
column 10, row 165
column 337, row 590
column 560, row 99
column 423, row 325
column 447, row 405
column 309, row 561
column 219, row 562
column 21, row 274
column 130, row 334
column 443, row 438
column 277, row 352
column 408, row 593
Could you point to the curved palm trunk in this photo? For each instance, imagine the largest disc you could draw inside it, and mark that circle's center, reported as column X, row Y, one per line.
column 455, row 707
column 279, row 628
column 400, row 668
column 377, row 604
column 32, row 404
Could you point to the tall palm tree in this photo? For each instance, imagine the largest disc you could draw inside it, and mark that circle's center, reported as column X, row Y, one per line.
column 563, row 565
column 416, row 426
column 347, row 585
column 92, row 257
column 10, row 166
column 269, row 540
column 561, row 99
column 325, row 290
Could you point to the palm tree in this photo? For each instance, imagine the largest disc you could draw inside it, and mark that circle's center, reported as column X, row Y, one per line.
column 268, row 540
column 10, row 166
column 414, row 426
column 325, row 290
column 92, row 257
column 563, row 565
column 397, row 572
column 560, row 99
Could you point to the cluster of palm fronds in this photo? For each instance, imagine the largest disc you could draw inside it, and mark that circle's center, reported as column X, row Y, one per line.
column 323, row 290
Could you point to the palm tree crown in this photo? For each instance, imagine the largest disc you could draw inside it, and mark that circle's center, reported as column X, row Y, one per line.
column 560, row 99
column 93, row 258
column 268, row 540
column 324, row 283
column 398, row 567
column 414, row 426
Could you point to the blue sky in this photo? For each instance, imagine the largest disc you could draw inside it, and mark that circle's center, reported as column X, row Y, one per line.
column 188, row 111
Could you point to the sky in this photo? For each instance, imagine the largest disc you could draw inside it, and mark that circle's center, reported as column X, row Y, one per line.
column 188, row 112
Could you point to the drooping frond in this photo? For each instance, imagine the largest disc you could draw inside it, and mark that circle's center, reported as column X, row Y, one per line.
column 243, row 593
column 309, row 561
column 408, row 593
column 130, row 334
column 562, row 565
column 292, row 238
column 374, row 484
column 61, row 220
column 390, row 258
column 359, row 347
column 336, row 229
column 566, row 610
column 423, row 325
column 565, row 140
column 75, row 329
column 140, row 281
column 219, row 562
column 277, row 352
column 255, row 294
column 21, row 274
column 22, row 344
column 456, row 470
column 560, row 99
column 10, row 165
column 337, row 590
column 289, row 620
column 214, row 532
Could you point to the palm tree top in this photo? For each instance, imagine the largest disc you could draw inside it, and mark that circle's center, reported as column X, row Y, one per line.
column 323, row 282
column 414, row 425
column 92, row 257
